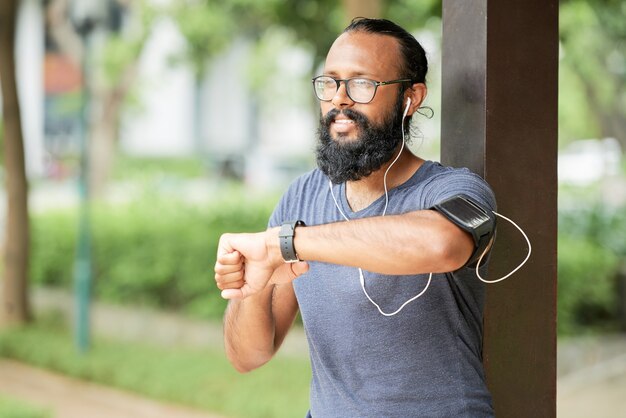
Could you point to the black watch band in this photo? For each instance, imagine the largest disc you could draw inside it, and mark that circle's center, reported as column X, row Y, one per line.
column 285, row 235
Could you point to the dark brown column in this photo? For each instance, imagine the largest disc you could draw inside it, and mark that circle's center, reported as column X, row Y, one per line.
column 499, row 118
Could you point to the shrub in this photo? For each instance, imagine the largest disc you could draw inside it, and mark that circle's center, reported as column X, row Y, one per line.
column 586, row 290
column 153, row 252
column 591, row 249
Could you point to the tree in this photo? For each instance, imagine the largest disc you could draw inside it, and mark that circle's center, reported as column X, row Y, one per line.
column 115, row 72
column 593, row 69
column 15, row 308
column 208, row 27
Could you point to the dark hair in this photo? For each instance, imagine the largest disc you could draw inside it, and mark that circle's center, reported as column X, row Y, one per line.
column 414, row 65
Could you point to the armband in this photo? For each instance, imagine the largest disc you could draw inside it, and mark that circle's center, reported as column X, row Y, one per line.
column 471, row 218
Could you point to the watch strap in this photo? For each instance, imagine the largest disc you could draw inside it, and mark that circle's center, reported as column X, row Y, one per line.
column 285, row 236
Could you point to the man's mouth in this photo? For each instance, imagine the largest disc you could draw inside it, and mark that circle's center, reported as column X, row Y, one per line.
column 343, row 124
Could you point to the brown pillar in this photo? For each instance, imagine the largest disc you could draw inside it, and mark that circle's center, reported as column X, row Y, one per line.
column 499, row 118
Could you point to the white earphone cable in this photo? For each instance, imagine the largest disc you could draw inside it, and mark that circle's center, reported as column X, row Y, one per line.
column 489, row 247
column 361, row 276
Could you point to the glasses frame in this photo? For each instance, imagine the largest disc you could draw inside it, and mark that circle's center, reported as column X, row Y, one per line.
column 346, row 80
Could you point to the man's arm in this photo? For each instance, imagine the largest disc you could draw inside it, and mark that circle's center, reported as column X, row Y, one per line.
column 416, row 242
column 255, row 327
column 259, row 317
column 250, row 270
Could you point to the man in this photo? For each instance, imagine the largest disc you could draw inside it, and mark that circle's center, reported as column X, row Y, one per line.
column 380, row 345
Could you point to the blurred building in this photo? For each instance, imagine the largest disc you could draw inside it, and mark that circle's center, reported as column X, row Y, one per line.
column 586, row 161
column 239, row 132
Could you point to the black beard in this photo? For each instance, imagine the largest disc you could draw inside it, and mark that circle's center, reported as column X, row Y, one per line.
column 355, row 159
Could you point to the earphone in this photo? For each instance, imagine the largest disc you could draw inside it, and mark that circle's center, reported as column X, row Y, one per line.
column 362, row 278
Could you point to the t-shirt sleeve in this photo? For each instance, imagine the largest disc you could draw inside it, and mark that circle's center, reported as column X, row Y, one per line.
column 277, row 217
column 460, row 182
column 286, row 210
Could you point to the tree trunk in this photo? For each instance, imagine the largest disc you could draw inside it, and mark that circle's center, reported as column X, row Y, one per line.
column 107, row 103
column 106, row 100
column 15, row 307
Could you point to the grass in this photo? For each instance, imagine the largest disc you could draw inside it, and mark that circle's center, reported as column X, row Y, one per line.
column 11, row 408
column 194, row 377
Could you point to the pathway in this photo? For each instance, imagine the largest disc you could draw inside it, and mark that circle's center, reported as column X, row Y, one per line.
column 591, row 382
column 72, row 398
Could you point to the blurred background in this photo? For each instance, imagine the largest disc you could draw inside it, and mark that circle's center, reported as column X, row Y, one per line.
column 150, row 127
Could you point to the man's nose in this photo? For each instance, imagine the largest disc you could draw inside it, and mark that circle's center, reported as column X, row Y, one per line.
column 341, row 99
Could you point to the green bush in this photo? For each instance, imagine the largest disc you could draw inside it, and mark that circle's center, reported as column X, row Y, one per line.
column 160, row 252
column 586, row 289
column 591, row 250
column 164, row 168
column 154, row 252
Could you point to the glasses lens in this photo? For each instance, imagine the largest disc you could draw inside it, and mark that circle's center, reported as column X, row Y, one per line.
column 361, row 90
column 325, row 87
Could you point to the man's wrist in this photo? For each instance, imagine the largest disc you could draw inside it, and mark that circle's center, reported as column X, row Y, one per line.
column 272, row 246
column 286, row 236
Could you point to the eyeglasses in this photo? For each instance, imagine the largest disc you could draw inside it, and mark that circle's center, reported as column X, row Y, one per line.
column 359, row 90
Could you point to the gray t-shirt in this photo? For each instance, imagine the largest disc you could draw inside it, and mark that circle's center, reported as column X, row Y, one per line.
column 425, row 361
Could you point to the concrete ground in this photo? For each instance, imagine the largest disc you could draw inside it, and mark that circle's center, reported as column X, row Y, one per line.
column 72, row 398
column 592, row 377
column 603, row 398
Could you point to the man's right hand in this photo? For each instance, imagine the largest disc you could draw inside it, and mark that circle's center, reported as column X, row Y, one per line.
column 246, row 263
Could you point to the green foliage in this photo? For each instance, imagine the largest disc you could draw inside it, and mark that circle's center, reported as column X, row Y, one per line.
column 591, row 249
column 155, row 251
column 53, row 242
column 149, row 168
column 315, row 23
column 11, row 408
column 207, row 27
column 411, row 14
column 198, row 378
column 587, row 297
column 592, row 69
column 121, row 51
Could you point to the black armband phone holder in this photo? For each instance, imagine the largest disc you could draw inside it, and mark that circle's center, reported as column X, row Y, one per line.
column 471, row 218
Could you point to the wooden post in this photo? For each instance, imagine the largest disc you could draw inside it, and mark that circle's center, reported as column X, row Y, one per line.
column 499, row 118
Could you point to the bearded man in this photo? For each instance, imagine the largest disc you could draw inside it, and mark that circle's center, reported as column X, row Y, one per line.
column 372, row 248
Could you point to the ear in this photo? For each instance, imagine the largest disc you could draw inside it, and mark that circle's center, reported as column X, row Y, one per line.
column 417, row 93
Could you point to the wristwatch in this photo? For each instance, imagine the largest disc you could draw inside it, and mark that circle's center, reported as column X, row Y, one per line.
column 285, row 235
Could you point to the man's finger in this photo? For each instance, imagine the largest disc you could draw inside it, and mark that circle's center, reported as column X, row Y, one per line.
column 299, row 268
column 224, row 246
column 233, row 257
column 232, row 294
column 225, row 269
column 230, row 285
column 289, row 271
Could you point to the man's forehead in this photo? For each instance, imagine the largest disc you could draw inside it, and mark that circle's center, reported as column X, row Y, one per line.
column 363, row 52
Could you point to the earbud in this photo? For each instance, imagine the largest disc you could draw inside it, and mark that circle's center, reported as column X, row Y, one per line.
column 406, row 109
